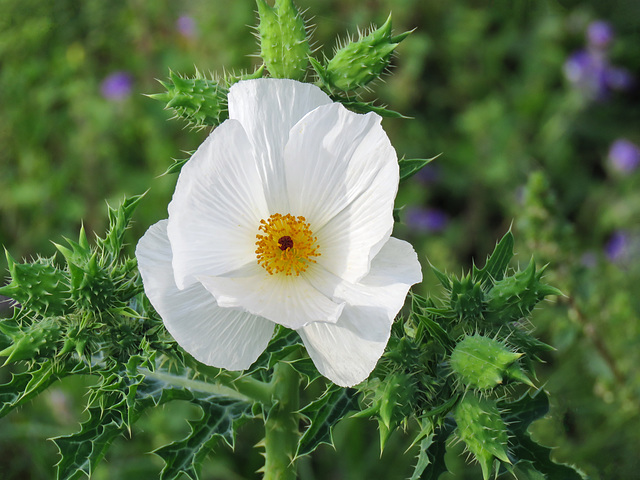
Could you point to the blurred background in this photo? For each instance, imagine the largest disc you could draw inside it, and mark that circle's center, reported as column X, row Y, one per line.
column 534, row 107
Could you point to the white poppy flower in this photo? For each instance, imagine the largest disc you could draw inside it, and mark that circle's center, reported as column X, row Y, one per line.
column 283, row 216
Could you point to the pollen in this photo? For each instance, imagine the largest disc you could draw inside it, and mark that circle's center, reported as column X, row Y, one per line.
column 285, row 244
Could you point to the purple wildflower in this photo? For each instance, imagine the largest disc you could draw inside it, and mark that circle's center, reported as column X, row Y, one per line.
column 426, row 219
column 591, row 72
column 599, row 34
column 186, row 25
column 117, row 86
column 624, row 156
column 617, row 246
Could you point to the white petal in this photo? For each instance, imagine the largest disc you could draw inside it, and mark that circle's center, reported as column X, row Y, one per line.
column 393, row 270
column 217, row 206
column 342, row 175
column 267, row 109
column 221, row 337
column 287, row 300
column 347, row 352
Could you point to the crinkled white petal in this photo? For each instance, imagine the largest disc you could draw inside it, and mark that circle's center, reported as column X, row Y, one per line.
column 221, row 337
column 287, row 300
column 217, row 206
column 346, row 352
column 267, row 109
column 342, row 176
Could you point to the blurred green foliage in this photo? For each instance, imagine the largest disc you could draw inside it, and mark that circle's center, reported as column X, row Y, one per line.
column 484, row 82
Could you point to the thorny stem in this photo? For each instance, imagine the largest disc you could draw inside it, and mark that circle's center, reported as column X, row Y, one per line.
column 281, row 425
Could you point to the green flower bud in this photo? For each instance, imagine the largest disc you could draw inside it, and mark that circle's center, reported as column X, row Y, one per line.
column 482, row 362
column 360, row 62
column 466, row 298
column 199, row 101
column 283, row 39
column 38, row 340
column 513, row 298
column 92, row 286
column 482, row 429
column 391, row 400
column 38, row 286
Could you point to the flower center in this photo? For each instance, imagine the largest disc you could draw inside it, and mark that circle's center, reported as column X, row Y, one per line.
column 286, row 245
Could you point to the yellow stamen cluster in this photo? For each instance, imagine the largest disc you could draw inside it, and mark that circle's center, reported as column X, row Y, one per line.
column 287, row 245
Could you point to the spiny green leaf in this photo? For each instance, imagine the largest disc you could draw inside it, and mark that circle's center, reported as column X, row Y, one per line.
column 27, row 385
column 435, row 330
column 411, row 166
column 177, row 165
column 497, row 263
column 534, row 457
column 220, row 418
column 81, row 452
column 119, row 220
column 434, row 451
column 424, row 459
column 366, row 107
column 323, row 413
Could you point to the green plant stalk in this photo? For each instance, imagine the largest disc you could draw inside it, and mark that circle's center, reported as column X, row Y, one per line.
column 281, row 425
column 248, row 391
column 239, row 385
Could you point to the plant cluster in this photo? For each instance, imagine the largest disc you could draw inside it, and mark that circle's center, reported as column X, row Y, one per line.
column 461, row 367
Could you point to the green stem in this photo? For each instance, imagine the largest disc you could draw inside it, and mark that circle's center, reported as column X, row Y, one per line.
column 197, row 385
column 281, row 425
column 252, row 389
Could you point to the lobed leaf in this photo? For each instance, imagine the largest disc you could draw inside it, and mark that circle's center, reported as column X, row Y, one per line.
column 323, row 414
column 533, row 458
column 497, row 263
column 220, row 418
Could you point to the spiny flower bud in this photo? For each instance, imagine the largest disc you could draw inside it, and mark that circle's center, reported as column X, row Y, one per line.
column 38, row 286
column 392, row 401
column 37, row 340
column 359, row 62
column 283, row 39
column 513, row 298
column 482, row 429
column 200, row 101
column 466, row 298
column 482, row 362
